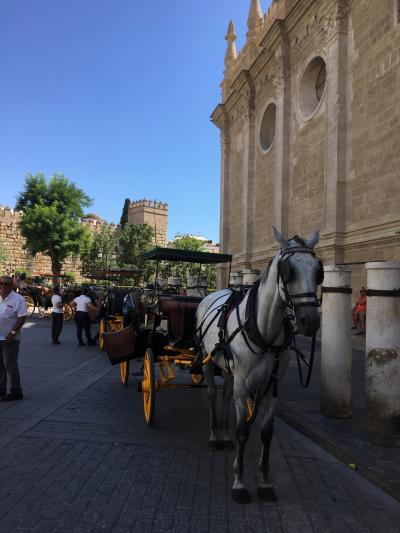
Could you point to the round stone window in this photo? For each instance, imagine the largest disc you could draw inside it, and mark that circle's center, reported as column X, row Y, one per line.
column 312, row 86
column 267, row 131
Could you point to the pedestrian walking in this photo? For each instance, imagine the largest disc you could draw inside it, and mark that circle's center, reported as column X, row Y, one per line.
column 57, row 316
column 13, row 313
column 82, row 319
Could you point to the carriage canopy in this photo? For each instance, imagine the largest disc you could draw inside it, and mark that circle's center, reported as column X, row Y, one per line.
column 189, row 256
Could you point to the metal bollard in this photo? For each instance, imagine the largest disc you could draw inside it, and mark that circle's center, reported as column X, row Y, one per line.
column 336, row 353
column 382, row 366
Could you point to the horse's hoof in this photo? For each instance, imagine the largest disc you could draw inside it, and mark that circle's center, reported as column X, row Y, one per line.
column 228, row 445
column 266, row 494
column 213, row 445
column 240, row 495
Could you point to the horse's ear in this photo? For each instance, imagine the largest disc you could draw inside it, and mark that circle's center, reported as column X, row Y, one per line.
column 284, row 243
column 312, row 239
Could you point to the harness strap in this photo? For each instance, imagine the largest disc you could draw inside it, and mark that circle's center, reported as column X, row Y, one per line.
column 234, row 300
column 206, row 315
column 395, row 293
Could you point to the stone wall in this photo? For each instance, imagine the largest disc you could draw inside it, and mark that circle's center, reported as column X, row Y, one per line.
column 333, row 162
column 18, row 258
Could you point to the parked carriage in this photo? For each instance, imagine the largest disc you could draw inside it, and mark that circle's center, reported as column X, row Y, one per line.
column 165, row 337
column 38, row 293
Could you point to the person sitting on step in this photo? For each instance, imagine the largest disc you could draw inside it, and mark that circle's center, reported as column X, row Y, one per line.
column 359, row 312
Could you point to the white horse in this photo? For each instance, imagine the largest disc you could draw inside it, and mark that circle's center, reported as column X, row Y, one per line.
column 250, row 344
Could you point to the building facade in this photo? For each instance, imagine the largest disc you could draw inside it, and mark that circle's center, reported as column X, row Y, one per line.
column 310, row 134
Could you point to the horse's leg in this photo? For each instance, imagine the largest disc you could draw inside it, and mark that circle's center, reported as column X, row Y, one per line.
column 227, row 396
column 208, row 371
column 265, row 490
column 239, row 491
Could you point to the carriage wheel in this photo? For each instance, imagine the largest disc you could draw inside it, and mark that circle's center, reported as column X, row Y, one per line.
column 252, row 409
column 124, row 370
column 43, row 312
column 30, row 305
column 197, row 379
column 148, row 387
column 102, row 330
column 68, row 312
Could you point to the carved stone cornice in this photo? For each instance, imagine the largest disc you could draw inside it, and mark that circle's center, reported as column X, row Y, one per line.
column 326, row 24
column 220, row 118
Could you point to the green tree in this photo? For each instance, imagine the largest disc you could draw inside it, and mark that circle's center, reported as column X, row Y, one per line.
column 51, row 217
column 124, row 217
column 184, row 270
column 101, row 252
column 134, row 241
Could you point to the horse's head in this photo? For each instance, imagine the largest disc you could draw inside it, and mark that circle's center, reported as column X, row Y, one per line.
column 299, row 274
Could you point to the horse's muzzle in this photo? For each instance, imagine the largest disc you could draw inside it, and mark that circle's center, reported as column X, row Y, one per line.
column 308, row 321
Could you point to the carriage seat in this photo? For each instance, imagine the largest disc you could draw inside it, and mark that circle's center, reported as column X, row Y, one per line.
column 180, row 312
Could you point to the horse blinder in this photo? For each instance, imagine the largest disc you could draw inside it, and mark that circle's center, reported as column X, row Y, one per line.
column 284, row 271
column 320, row 275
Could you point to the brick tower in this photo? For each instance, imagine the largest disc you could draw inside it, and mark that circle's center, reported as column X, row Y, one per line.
column 153, row 213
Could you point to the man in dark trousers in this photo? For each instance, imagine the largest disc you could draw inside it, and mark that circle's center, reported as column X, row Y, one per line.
column 12, row 317
column 57, row 315
column 82, row 319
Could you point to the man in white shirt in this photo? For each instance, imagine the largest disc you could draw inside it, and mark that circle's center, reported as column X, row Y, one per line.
column 13, row 313
column 82, row 319
column 57, row 316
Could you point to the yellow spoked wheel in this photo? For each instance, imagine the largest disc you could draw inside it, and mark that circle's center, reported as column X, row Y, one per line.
column 102, row 330
column 68, row 311
column 252, row 409
column 30, row 305
column 149, row 387
column 124, row 370
column 197, row 379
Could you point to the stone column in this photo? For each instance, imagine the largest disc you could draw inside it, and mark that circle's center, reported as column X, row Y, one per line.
column 336, row 124
column 248, row 168
column 383, row 353
column 336, row 353
column 250, row 276
column 282, row 135
column 236, row 279
column 221, row 119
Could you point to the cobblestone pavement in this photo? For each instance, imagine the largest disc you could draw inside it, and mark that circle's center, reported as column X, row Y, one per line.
column 76, row 455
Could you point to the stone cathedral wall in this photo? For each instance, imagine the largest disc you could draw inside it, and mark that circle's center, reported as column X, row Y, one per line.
column 334, row 167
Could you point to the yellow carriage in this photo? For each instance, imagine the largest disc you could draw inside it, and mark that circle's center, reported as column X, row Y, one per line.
column 164, row 333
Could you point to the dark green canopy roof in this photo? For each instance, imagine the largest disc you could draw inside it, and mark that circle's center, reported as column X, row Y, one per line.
column 189, row 256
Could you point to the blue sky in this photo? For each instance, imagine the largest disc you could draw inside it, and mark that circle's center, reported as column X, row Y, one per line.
column 117, row 94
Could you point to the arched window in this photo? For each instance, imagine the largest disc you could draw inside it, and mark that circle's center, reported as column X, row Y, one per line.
column 267, row 130
column 312, row 86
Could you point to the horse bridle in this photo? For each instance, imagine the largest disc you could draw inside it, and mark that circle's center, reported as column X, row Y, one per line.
column 284, row 275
